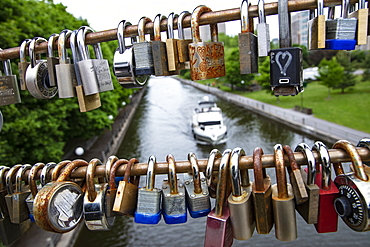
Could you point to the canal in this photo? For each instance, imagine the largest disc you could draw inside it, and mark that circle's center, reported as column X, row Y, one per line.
column 161, row 126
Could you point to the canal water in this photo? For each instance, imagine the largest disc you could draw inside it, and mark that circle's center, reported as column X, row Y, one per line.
column 161, row 126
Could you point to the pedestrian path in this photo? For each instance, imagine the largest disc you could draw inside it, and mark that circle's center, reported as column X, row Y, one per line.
column 308, row 124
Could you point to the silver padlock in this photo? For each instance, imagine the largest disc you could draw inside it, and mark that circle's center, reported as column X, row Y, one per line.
column 95, row 73
column 9, row 91
column 143, row 50
column 148, row 209
column 196, row 189
column 65, row 71
column 123, row 62
column 263, row 32
column 37, row 74
column 52, row 60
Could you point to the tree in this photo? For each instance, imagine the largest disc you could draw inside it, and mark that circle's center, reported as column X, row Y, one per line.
column 330, row 73
column 349, row 79
column 263, row 78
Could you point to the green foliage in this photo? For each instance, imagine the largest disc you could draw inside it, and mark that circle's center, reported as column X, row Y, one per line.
column 330, row 73
column 37, row 130
column 263, row 78
column 349, row 79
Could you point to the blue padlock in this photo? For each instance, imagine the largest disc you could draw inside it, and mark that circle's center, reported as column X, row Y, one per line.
column 148, row 209
column 174, row 205
column 197, row 197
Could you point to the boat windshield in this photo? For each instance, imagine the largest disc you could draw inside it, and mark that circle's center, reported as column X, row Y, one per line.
column 207, row 104
column 208, row 123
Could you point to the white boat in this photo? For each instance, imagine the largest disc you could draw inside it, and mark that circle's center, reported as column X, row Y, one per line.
column 208, row 126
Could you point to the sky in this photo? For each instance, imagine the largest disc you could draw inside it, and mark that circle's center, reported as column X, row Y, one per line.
column 105, row 15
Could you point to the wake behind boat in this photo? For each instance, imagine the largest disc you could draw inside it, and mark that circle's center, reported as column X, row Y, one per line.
column 208, row 126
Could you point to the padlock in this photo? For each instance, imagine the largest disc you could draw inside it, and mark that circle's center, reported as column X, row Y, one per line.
column 149, row 198
column 58, row 168
column 52, row 60
column 20, row 210
column 37, row 75
column 353, row 203
column 296, row 180
column 10, row 176
column 210, row 174
column 206, row 58
column 341, row 32
column 316, row 28
column 182, row 43
column 173, row 199
column 112, row 189
column 126, row 197
column 171, row 46
column 58, row 205
column 218, row 225
column 262, row 195
column 45, row 173
column 327, row 220
column 143, row 51
column 361, row 14
column 286, row 72
column 240, row 201
column 23, row 64
column 159, row 51
column 33, row 187
column 95, row 73
column 65, row 71
column 85, row 102
column 123, row 62
column 94, row 204
column 197, row 198
column 309, row 210
column 9, row 92
column 263, row 31
column 283, row 201
column 248, row 43
column 9, row 232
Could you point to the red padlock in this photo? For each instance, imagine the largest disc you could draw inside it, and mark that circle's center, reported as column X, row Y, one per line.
column 327, row 218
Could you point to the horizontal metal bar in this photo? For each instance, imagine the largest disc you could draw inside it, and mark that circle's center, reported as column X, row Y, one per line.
column 206, row 18
column 246, row 162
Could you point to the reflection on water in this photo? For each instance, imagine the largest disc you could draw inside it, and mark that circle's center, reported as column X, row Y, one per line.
column 162, row 125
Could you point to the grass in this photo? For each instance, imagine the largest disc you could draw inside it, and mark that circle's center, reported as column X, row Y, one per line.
column 350, row 109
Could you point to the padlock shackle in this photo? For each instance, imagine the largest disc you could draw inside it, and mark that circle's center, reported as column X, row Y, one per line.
column 51, row 41
column 157, row 27
column 180, row 20
column 32, row 177
column 9, row 178
column 170, row 22
column 18, row 178
column 81, row 45
column 113, row 171
column 172, row 178
column 222, row 182
column 320, row 7
column 213, row 155
column 141, row 28
column 331, row 13
column 31, row 48
column 75, row 55
column 345, row 9
column 3, row 169
column 90, row 175
column 311, row 163
column 235, row 175
column 361, row 4
column 258, row 170
column 195, row 16
column 358, row 166
column 128, row 169
column 323, row 152
column 45, row 171
column 69, row 168
column 245, row 21
column 7, row 67
column 292, row 162
column 195, row 172
column 261, row 11
column 108, row 166
column 62, row 51
column 121, row 35
column 280, row 172
column 57, row 169
column 22, row 50
column 150, row 174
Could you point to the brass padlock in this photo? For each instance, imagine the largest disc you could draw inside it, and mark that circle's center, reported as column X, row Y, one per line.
column 262, row 195
column 10, row 176
column 182, row 43
column 159, row 49
column 20, row 210
column 283, row 201
column 126, row 196
column 206, row 58
column 317, row 28
column 361, row 14
column 171, row 46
